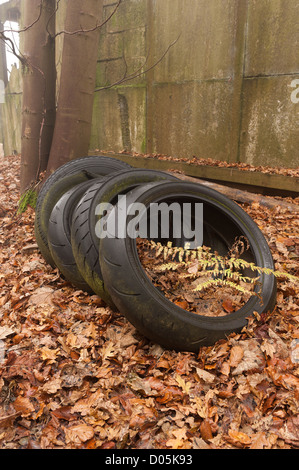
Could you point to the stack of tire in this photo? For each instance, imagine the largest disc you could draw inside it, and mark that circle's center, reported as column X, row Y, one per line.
column 110, row 267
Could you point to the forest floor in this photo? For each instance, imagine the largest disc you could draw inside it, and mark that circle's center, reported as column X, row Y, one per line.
column 75, row 374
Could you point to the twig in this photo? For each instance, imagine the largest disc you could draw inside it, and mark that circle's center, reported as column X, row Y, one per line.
column 12, row 46
column 30, row 25
column 138, row 72
column 97, row 26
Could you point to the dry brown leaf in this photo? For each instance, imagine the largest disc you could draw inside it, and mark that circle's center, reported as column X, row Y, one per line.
column 259, row 441
column 185, row 386
column 41, row 296
column 253, row 358
column 225, row 368
column 6, row 331
column 239, row 437
column 49, row 355
column 24, row 406
column 206, row 430
column 228, row 305
column 205, row 376
column 236, row 355
column 79, row 433
column 52, row 386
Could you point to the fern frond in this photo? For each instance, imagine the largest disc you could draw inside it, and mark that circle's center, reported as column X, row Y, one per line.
column 212, row 263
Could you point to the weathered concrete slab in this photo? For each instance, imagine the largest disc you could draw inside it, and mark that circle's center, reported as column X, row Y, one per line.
column 122, row 55
column 206, row 31
column 269, row 134
column 272, row 37
column 131, row 14
column 119, row 119
column 192, row 119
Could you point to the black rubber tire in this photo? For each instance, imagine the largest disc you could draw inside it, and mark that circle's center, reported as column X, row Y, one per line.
column 85, row 243
column 156, row 317
column 64, row 178
column 59, row 234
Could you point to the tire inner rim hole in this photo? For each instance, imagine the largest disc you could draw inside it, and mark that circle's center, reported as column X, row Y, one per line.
column 204, row 280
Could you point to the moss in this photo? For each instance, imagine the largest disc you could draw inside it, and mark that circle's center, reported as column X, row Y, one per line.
column 29, row 198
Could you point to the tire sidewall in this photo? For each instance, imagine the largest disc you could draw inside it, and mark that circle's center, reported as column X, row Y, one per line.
column 188, row 327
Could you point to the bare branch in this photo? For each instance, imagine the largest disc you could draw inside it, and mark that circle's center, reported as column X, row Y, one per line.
column 137, row 73
column 21, row 58
column 29, row 26
column 97, row 26
column 3, row 36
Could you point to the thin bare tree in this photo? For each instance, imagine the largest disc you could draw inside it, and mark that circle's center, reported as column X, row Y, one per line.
column 77, row 83
column 39, row 101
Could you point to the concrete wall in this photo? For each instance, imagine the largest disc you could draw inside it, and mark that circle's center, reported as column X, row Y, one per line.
column 11, row 112
column 225, row 90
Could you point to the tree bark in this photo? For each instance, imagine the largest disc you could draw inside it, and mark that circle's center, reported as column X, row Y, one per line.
column 39, row 100
column 77, row 83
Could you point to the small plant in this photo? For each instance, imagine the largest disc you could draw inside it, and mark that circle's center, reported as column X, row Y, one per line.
column 210, row 269
column 29, row 198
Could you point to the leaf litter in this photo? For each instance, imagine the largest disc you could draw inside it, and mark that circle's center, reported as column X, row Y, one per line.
column 75, row 374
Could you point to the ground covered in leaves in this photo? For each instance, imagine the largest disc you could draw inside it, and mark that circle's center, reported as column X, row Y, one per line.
column 74, row 374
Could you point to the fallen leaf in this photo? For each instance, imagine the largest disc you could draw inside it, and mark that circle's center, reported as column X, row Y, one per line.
column 259, row 441
column 228, row 305
column 42, row 295
column 24, row 406
column 239, row 437
column 236, row 355
column 225, row 368
column 6, row 331
column 52, row 386
column 185, row 386
column 252, row 359
column 182, row 304
column 79, row 433
column 49, row 354
column 205, row 376
column 205, row 430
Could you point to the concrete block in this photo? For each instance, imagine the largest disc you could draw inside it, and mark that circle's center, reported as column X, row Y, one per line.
column 119, row 119
column 269, row 133
column 206, row 31
column 130, row 14
column 272, row 37
column 192, row 119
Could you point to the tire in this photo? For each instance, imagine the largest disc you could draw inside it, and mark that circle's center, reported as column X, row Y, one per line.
column 64, row 178
column 85, row 243
column 156, row 317
column 59, row 235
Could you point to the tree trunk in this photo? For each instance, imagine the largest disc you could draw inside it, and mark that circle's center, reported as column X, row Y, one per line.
column 77, row 83
column 39, row 101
